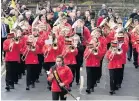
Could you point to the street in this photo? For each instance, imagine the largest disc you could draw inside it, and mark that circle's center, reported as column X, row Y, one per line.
column 129, row 90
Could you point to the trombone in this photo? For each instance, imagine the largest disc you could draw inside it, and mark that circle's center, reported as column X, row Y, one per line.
column 25, row 54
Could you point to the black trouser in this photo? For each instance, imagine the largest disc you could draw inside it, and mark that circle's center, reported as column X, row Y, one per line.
column 2, row 40
column 100, row 69
column 79, row 60
column 92, row 75
column 22, row 65
column 47, row 66
column 129, row 53
column 135, row 54
column 41, row 61
column 31, row 73
column 72, row 67
column 77, row 72
column 56, row 95
column 11, row 72
column 121, row 74
column 113, row 78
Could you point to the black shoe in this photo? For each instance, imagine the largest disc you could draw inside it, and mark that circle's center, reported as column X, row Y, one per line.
column 33, row 85
column 136, row 67
column 98, row 81
column 88, row 91
column 15, row 82
column 27, row 88
column 7, row 88
column 112, row 92
column 92, row 89
column 37, row 81
column 11, row 86
column 78, row 83
column 49, row 88
column 128, row 59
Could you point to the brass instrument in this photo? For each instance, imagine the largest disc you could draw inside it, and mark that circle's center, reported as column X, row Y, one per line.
column 30, row 47
column 116, row 48
column 93, row 47
column 129, row 22
column 25, row 54
column 55, row 42
column 106, row 27
column 14, row 39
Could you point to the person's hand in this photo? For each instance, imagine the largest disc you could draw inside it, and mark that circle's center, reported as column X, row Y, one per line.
column 61, row 84
column 51, row 76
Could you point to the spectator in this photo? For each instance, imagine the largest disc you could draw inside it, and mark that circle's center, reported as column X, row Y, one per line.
column 103, row 11
column 134, row 13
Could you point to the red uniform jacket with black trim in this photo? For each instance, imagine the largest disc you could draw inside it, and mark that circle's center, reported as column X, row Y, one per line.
column 32, row 57
column 69, row 57
column 115, row 61
column 50, row 55
column 14, row 55
column 65, row 75
column 93, row 60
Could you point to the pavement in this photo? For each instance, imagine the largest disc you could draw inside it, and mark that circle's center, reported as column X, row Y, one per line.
column 129, row 90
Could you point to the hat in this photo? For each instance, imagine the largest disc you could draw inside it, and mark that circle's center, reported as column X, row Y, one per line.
column 10, row 35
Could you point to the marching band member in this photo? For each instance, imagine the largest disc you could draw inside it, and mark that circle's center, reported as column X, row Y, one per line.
column 61, row 76
column 134, row 35
column 69, row 52
column 40, row 42
column 79, row 59
column 4, row 31
column 123, row 41
column 50, row 50
column 114, row 56
column 82, row 31
column 97, row 33
column 92, row 56
column 12, row 58
column 30, row 57
column 137, row 48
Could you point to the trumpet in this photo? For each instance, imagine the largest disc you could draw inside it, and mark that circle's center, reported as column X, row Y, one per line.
column 115, row 50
